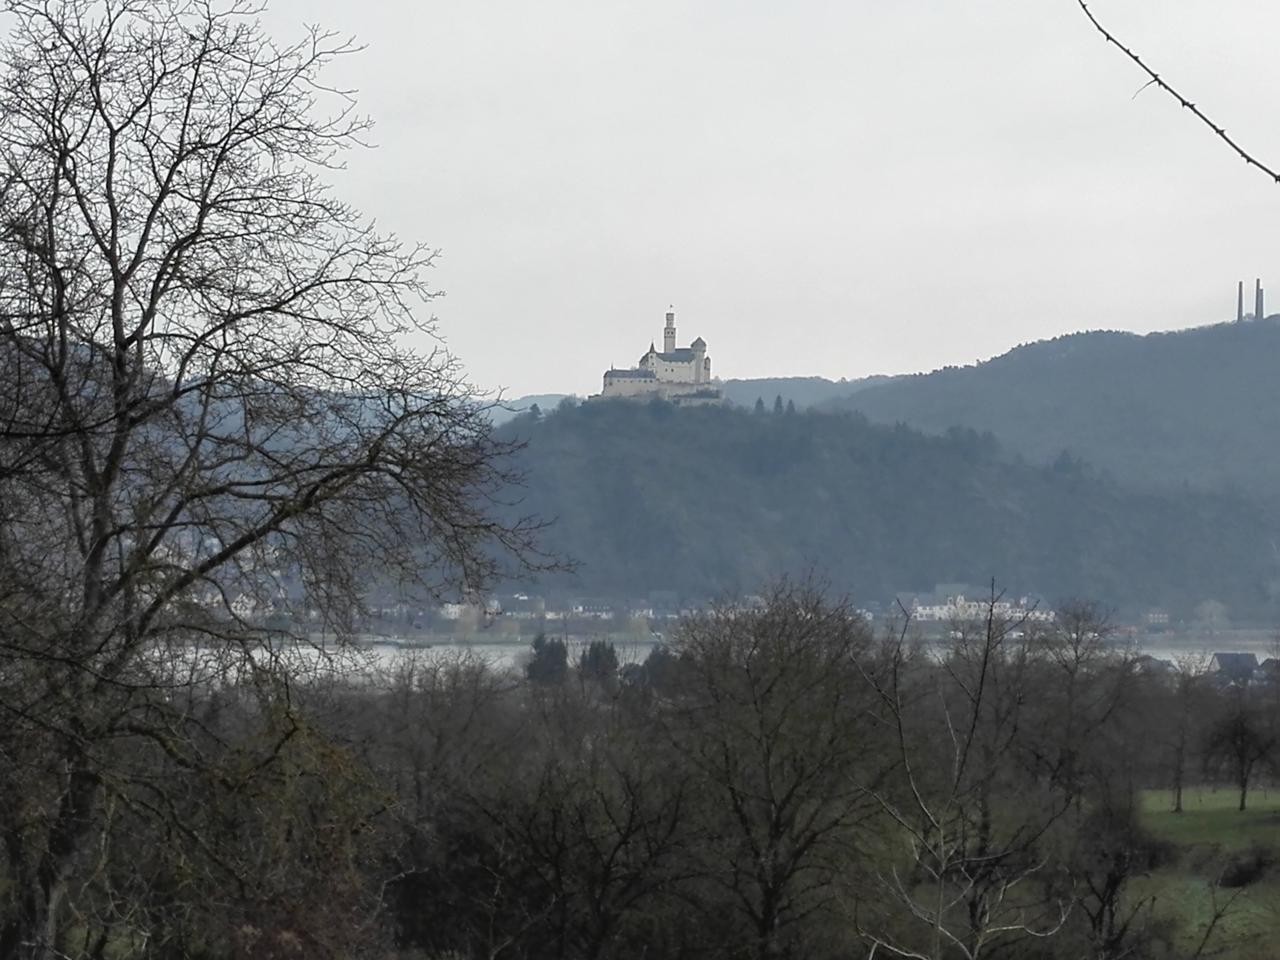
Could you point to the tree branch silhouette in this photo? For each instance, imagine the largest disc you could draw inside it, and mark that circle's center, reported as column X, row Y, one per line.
column 1186, row 104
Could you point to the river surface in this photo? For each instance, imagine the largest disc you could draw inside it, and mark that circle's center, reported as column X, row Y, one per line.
column 388, row 653
column 381, row 658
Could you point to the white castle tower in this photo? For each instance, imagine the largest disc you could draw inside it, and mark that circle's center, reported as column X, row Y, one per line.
column 678, row 374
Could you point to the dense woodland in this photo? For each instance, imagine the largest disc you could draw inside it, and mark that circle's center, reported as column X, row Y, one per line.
column 705, row 501
column 1161, row 411
column 800, row 392
column 777, row 782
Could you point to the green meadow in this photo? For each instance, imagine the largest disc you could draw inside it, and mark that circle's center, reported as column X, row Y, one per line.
column 1213, row 840
column 1210, row 818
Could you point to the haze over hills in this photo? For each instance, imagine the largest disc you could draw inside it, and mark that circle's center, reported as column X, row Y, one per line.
column 712, row 500
column 1197, row 407
column 804, row 392
column 509, row 409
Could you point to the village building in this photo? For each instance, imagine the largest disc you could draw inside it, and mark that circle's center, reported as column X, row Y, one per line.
column 957, row 609
column 1234, row 668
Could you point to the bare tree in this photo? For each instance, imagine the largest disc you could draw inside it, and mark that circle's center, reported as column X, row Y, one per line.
column 969, row 813
column 207, row 413
column 769, row 714
column 1081, row 679
column 1188, row 695
column 1237, row 741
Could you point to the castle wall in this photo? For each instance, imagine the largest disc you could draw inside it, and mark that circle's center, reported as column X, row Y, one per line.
column 624, row 387
column 678, row 372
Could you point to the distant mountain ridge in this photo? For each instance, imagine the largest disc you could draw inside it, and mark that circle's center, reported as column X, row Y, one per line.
column 1198, row 407
column 804, row 392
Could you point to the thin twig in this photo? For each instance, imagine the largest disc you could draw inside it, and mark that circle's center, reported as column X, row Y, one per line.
column 1187, row 104
column 1140, row 89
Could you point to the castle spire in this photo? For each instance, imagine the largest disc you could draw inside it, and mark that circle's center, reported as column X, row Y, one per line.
column 669, row 331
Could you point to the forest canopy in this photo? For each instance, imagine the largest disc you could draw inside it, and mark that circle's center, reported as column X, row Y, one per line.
column 710, row 500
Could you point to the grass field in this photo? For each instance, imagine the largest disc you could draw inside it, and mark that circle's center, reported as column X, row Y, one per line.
column 1209, row 834
column 1247, row 931
column 1210, row 818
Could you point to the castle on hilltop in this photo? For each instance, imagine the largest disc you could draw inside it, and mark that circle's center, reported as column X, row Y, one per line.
column 679, row 374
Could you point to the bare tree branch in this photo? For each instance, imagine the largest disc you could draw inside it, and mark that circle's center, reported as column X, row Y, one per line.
column 1164, row 85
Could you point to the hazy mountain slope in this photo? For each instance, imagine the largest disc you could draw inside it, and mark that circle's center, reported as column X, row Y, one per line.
column 704, row 500
column 804, row 392
column 1198, row 407
column 510, row 409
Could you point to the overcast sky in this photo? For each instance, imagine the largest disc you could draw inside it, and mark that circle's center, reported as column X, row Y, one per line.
column 833, row 188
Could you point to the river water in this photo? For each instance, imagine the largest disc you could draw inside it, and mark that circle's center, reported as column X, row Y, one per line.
column 381, row 658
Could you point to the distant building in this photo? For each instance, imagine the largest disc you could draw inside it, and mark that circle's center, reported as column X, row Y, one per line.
column 1259, row 312
column 1154, row 666
column 679, row 374
column 521, row 606
column 592, row 609
column 958, row 609
column 1156, row 619
column 1234, row 667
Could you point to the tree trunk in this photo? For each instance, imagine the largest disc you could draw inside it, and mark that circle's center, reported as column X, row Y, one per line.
column 1177, row 780
column 34, row 933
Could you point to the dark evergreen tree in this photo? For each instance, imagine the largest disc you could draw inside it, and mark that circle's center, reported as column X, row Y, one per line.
column 550, row 663
column 599, row 662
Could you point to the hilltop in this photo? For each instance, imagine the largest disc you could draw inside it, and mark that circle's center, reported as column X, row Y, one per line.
column 1197, row 408
column 804, row 392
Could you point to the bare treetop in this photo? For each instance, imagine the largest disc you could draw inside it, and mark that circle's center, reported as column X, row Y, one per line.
column 206, row 412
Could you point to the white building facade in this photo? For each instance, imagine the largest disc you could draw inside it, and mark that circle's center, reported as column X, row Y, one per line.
column 959, row 610
column 679, row 374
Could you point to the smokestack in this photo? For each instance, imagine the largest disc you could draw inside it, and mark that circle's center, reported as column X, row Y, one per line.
column 1240, row 302
column 1257, row 300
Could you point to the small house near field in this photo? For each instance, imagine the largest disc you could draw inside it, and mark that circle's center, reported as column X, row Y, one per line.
column 1234, row 667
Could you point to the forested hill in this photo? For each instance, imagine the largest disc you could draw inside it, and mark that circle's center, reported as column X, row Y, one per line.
column 1198, row 407
column 709, row 500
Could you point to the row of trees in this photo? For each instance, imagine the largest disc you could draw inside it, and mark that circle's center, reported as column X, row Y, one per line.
column 206, row 406
column 775, row 782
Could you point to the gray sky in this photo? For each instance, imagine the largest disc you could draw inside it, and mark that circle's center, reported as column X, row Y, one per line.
column 830, row 188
